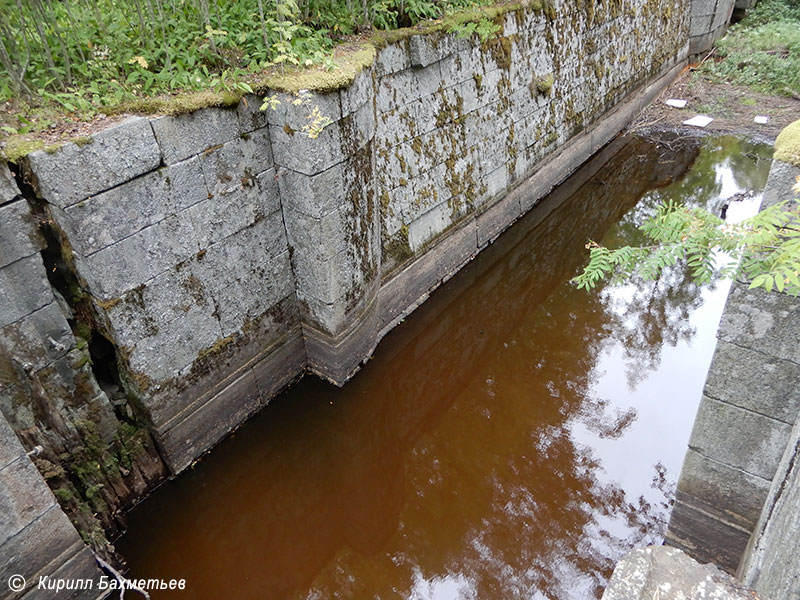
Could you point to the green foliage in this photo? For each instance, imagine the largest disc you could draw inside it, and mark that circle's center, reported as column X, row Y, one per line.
column 85, row 55
column 765, row 249
column 316, row 121
column 763, row 51
column 484, row 29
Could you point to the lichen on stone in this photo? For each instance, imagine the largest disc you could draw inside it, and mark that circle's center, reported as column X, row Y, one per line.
column 787, row 145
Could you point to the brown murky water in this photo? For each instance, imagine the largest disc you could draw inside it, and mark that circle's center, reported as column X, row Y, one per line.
column 512, row 439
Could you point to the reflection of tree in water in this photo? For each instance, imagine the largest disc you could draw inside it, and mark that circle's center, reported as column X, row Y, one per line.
column 520, row 507
column 645, row 316
column 451, row 456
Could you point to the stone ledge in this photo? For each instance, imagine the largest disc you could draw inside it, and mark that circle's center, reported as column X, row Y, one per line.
column 661, row 573
column 113, row 156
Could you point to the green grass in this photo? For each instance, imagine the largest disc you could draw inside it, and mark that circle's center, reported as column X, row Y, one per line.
column 70, row 61
column 762, row 52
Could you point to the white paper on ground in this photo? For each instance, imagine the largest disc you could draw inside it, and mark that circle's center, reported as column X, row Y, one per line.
column 761, row 120
column 699, row 121
column 674, row 102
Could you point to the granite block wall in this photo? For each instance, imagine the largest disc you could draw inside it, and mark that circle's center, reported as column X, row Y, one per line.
column 750, row 403
column 709, row 20
column 161, row 280
column 201, row 262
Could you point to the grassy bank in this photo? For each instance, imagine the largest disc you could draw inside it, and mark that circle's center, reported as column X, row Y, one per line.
column 761, row 52
column 67, row 61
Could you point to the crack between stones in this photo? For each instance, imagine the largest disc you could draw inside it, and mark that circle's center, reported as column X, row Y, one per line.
column 762, row 352
column 749, row 410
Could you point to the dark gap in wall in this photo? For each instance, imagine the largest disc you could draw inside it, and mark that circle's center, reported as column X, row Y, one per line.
column 57, row 258
column 104, row 366
column 104, row 472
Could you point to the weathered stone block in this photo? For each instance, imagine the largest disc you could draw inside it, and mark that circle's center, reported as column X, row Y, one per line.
column 231, row 354
column 247, row 273
column 727, row 493
column 38, row 338
column 700, row 24
column 10, row 446
column 24, row 496
column 657, row 572
column 315, row 196
column 107, row 218
column 208, row 423
column 114, row 156
column 781, row 179
column 337, row 357
column 393, row 58
column 23, row 289
column 138, row 258
column 358, row 128
column 228, row 212
column 299, row 152
column 722, row 542
column 162, row 355
column 153, row 306
column 407, row 86
column 183, row 136
column 48, row 538
column 771, row 564
column 82, row 565
column 359, row 93
column 424, row 50
column 428, row 226
column 765, row 322
column 250, row 115
column 281, row 366
column 19, row 236
column 717, row 435
column 326, row 280
column 8, row 186
column 755, row 381
column 496, row 218
column 317, row 239
column 235, row 163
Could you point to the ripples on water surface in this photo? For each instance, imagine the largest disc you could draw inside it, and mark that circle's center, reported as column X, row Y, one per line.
column 511, row 439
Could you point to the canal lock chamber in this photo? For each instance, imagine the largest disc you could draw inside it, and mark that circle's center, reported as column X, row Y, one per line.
column 513, row 437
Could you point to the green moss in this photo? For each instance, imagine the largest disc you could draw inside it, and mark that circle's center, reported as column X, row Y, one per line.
column 398, row 247
column 108, row 304
column 178, row 105
column 83, row 141
column 787, row 145
column 18, row 147
column 500, row 49
column 348, row 65
column 64, row 495
column 544, row 85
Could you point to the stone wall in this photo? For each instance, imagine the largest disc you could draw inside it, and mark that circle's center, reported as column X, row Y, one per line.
column 750, row 402
column 36, row 537
column 210, row 258
column 709, row 20
column 771, row 563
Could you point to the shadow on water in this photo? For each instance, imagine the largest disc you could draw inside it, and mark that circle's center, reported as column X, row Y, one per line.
column 513, row 438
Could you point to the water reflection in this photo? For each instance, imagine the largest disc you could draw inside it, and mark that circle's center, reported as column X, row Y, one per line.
column 510, row 440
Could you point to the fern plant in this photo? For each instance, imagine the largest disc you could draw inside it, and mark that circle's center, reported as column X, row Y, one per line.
column 764, row 249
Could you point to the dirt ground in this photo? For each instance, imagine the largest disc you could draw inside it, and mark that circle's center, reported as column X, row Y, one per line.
column 732, row 107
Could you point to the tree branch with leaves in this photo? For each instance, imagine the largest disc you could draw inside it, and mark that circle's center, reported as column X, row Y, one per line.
column 764, row 249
